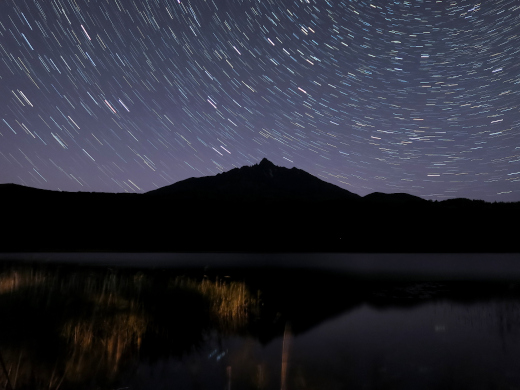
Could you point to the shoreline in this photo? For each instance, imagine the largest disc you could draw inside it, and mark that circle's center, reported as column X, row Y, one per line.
column 435, row 266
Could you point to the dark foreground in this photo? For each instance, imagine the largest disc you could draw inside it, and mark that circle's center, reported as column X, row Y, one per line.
column 107, row 327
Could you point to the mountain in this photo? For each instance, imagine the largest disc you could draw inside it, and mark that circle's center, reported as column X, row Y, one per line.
column 259, row 208
column 14, row 190
column 264, row 181
column 260, row 182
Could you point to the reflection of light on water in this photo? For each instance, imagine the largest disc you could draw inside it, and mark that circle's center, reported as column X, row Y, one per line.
column 105, row 321
column 228, row 376
column 440, row 328
column 287, row 338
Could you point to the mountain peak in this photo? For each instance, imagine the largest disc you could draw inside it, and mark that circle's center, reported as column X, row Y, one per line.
column 263, row 181
column 266, row 163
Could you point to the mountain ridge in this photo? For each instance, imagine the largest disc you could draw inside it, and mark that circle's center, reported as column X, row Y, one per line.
column 187, row 188
column 260, row 181
column 262, row 208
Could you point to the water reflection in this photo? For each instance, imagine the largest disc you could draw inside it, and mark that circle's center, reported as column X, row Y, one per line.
column 108, row 328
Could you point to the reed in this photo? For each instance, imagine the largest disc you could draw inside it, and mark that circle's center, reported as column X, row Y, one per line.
column 93, row 323
column 231, row 304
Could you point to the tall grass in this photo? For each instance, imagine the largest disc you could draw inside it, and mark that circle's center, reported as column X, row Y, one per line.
column 231, row 304
column 63, row 327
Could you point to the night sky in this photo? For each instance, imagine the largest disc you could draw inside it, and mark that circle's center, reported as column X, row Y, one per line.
column 131, row 95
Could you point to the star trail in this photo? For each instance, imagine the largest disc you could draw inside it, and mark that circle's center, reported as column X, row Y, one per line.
column 419, row 97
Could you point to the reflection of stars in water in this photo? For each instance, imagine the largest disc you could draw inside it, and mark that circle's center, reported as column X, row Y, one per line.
column 418, row 97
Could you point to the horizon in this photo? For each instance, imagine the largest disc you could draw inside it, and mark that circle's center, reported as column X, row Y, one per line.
column 247, row 166
column 371, row 97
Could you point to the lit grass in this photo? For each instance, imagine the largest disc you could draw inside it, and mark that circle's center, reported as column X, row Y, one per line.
column 231, row 304
column 67, row 326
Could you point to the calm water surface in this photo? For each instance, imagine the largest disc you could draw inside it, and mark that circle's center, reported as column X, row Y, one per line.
column 144, row 323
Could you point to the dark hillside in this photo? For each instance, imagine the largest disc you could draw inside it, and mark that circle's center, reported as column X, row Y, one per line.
column 264, row 181
column 263, row 208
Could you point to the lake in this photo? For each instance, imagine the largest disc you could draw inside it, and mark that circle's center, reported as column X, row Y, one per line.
column 251, row 321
